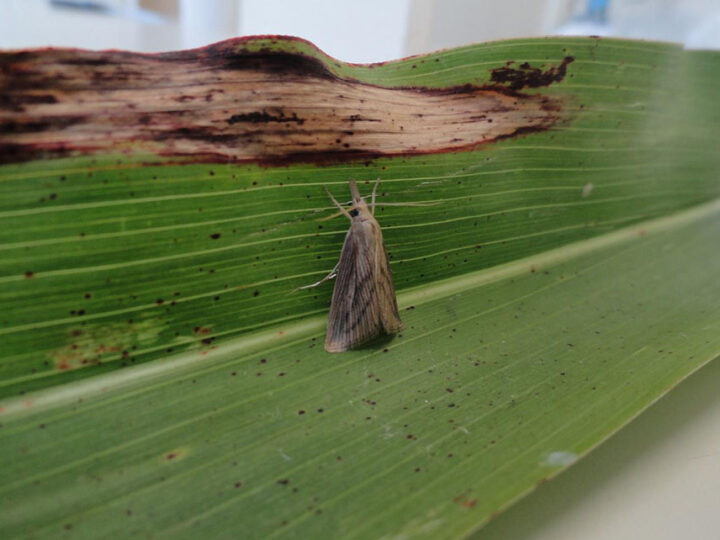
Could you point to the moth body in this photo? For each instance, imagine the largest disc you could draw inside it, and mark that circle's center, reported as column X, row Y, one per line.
column 363, row 303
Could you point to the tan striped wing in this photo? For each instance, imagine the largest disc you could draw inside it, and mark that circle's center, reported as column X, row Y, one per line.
column 363, row 303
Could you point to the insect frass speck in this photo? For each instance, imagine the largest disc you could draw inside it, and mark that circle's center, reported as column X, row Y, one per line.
column 363, row 303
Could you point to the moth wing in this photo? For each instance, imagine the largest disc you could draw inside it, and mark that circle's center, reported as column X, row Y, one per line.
column 386, row 291
column 359, row 302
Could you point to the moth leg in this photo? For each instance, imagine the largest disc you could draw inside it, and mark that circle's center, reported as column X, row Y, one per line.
column 342, row 209
column 331, row 275
column 372, row 201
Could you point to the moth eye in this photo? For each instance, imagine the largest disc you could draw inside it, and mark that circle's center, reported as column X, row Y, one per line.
column 354, row 212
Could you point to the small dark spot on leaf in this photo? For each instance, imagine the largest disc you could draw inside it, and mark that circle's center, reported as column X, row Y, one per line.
column 215, row 236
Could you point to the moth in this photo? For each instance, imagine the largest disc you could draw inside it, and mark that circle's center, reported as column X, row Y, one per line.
column 363, row 303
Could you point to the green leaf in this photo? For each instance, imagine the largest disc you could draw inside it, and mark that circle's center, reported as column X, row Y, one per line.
column 556, row 270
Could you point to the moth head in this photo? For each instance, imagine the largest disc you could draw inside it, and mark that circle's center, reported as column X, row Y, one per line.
column 359, row 206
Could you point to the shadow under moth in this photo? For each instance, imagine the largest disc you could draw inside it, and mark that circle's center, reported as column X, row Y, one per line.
column 363, row 302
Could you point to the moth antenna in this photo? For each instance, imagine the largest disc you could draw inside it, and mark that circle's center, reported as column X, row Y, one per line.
column 347, row 214
column 419, row 203
column 372, row 205
column 331, row 216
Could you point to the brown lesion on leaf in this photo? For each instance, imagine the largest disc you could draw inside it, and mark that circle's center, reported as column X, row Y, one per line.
column 175, row 454
column 465, row 500
column 517, row 77
column 264, row 117
column 91, row 345
column 203, row 335
column 222, row 104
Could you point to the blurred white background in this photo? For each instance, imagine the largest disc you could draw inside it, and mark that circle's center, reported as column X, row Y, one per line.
column 660, row 478
column 354, row 31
